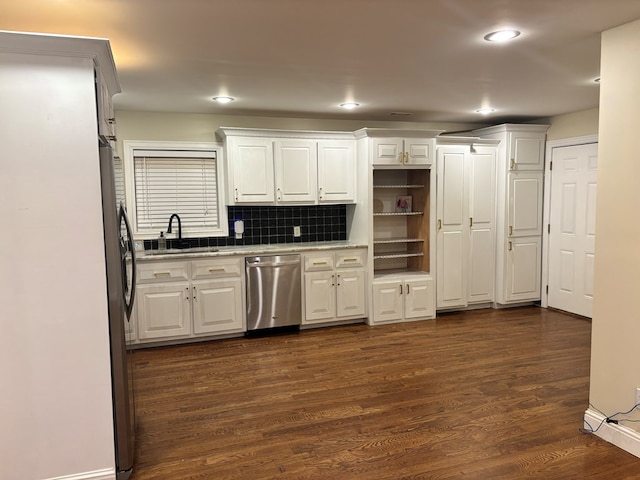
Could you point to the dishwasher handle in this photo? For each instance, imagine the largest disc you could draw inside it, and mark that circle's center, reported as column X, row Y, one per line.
column 253, row 263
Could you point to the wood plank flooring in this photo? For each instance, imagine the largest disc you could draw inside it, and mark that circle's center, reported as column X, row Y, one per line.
column 479, row 395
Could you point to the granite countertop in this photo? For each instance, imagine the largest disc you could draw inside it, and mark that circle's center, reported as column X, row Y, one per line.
column 271, row 249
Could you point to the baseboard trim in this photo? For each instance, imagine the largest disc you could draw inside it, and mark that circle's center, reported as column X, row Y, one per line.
column 619, row 435
column 105, row 474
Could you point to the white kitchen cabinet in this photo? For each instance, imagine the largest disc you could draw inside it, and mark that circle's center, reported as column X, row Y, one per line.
column 525, row 204
column 334, row 286
column 183, row 299
column 217, row 306
column 296, row 165
column 287, row 167
column 250, row 170
column 336, row 171
column 403, row 152
column 163, row 311
column 466, row 225
column 519, row 180
column 401, row 297
column 523, row 269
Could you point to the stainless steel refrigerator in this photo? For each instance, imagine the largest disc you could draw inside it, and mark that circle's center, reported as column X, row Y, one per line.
column 121, row 269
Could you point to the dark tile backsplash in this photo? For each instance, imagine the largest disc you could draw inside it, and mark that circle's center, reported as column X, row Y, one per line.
column 265, row 225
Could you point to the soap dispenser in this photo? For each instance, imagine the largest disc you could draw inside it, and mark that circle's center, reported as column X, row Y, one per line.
column 162, row 242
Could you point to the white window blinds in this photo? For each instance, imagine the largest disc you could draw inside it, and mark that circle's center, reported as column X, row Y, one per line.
column 179, row 182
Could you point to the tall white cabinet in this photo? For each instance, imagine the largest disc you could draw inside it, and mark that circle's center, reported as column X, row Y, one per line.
column 465, row 216
column 519, row 175
column 401, row 212
column 58, row 420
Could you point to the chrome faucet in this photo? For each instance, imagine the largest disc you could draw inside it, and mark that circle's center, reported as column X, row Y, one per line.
column 177, row 217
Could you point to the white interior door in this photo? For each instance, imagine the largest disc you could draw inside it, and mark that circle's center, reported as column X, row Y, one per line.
column 572, row 235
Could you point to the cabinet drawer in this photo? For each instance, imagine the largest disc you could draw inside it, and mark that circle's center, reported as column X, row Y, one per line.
column 351, row 258
column 227, row 267
column 318, row 261
column 153, row 272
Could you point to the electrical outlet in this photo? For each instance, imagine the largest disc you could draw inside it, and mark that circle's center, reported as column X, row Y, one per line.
column 296, row 231
column 138, row 245
column 637, row 396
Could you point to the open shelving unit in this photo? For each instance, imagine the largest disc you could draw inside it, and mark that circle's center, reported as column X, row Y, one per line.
column 401, row 238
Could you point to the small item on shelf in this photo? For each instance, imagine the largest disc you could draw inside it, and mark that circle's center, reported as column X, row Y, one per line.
column 403, row 203
column 162, row 242
column 378, row 206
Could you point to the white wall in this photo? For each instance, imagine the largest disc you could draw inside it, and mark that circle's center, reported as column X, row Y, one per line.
column 55, row 401
column 615, row 347
column 189, row 127
column 576, row 124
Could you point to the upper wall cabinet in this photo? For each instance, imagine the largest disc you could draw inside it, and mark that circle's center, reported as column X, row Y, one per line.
column 278, row 167
column 403, row 152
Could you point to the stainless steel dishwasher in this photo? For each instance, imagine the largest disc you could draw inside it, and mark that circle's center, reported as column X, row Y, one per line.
column 274, row 296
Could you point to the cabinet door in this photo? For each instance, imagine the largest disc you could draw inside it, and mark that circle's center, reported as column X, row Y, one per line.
column 482, row 213
column 250, row 163
column 163, row 311
column 388, row 301
column 452, row 234
column 320, row 294
column 296, row 165
column 217, row 306
column 418, row 152
column 523, row 269
column 387, row 151
column 419, row 299
column 336, row 171
column 525, row 204
column 526, row 151
column 350, row 293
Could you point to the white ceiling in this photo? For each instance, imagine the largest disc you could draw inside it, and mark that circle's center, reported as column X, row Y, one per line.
column 302, row 58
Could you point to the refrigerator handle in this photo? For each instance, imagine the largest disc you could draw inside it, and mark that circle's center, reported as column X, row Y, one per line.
column 130, row 247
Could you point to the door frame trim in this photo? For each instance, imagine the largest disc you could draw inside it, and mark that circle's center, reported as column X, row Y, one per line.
column 563, row 142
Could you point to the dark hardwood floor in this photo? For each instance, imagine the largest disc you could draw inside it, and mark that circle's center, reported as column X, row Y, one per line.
column 479, row 395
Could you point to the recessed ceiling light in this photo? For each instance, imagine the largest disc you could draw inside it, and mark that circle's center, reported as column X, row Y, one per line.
column 223, row 99
column 349, row 105
column 500, row 36
column 485, row 111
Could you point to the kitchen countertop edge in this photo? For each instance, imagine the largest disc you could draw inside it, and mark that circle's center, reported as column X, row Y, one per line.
column 268, row 249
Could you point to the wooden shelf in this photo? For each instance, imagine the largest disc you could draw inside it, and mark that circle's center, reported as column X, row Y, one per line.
column 380, row 241
column 397, row 255
column 396, row 214
column 398, row 186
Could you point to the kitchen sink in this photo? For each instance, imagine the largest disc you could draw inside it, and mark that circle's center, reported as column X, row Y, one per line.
column 173, row 251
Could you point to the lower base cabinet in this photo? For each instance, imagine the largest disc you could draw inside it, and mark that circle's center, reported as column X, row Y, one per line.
column 179, row 299
column 523, row 266
column 334, row 286
column 400, row 297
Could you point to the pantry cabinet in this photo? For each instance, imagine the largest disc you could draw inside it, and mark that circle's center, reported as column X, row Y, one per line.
column 334, row 286
column 279, row 167
column 519, row 180
column 465, row 209
column 183, row 299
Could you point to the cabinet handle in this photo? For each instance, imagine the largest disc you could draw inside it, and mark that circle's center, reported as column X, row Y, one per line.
column 333, row 283
column 408, row 289
column 161, row 274
column 510, row 230
column 279, row 194
column 216, row 269
column 351, row 259
column 318, row 262
column 471, row 221
column 320, row 193
column 439, row 224
column 401, row 157
column 111, row 120
column 510, row 246
column 112, row 138
column 186, row 293
column 400, row 289
column 236, row 190
column 406, row 157
column 338, row 280
column 512, row 164
column 195, row 297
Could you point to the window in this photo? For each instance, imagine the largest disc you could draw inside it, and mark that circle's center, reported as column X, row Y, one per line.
column 163, row 178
